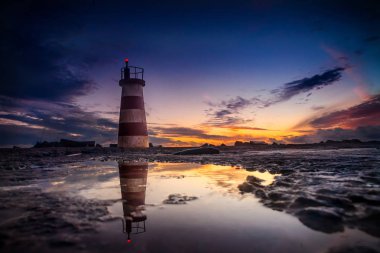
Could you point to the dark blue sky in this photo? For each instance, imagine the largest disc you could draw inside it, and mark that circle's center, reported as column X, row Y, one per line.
column 61, row 59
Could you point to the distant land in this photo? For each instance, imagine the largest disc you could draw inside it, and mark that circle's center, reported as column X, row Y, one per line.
column 353, row 143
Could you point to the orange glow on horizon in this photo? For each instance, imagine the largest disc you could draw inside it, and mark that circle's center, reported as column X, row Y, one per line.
column 228, row 136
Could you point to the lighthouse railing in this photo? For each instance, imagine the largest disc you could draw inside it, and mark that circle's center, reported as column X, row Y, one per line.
column 134, row 72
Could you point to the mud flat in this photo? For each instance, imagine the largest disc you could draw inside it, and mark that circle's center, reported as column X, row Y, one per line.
column 289, row 200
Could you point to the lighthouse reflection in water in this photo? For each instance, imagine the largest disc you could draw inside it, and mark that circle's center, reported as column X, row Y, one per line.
column 133, row 179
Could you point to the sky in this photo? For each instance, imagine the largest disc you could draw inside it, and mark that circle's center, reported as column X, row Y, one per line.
column 215, row 71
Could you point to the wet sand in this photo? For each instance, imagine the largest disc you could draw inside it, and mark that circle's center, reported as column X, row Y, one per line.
column 83, row 200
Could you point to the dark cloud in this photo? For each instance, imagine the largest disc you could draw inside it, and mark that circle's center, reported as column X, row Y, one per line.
column 37, row 60
column 291, row 89
column 25, row 124
column 317, row 107
column 372, row 38
column 19, row 135
column 227, row 112
column 226, row 121
column 222, row 113
column 248, row 128
column 169, row 132
column 169, row 135
column 364, row 133
column 237, row 103
column 43, row 71
column 366, row 113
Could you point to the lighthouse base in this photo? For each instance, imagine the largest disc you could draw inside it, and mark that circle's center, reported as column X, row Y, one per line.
column 133, row 142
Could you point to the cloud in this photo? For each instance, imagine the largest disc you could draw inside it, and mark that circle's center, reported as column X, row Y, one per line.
column 317, row 107
column 25, row 121
column 43, row 73
column 222, row 113
column 366, row 113
column 184, row 132
column 291, row 89
column 227, row 112
column 227, row 121
column 364, row 133
column 186, row 136
column 37, row 61
column 248, row 128
column 237, row 103
column 230, row 107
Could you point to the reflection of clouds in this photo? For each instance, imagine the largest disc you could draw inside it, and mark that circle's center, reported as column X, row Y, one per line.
column 220, row 175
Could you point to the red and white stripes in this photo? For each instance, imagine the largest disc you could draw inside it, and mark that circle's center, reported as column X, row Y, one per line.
column 133, row 179
column 133, row 131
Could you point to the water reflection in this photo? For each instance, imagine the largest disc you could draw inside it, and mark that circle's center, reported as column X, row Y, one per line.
column 133, row 179
column 201, row 225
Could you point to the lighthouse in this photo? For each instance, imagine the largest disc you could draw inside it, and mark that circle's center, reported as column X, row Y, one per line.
column 133, row 131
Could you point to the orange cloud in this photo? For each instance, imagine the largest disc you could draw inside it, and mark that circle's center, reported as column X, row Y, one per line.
column 364, row 114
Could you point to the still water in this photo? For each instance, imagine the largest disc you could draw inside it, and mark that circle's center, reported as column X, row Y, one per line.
column 186, row 207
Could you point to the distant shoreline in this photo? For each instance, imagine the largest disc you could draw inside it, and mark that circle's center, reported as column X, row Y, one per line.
column 259, row 147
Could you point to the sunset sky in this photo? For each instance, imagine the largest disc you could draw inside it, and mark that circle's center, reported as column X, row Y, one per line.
column 215, row 71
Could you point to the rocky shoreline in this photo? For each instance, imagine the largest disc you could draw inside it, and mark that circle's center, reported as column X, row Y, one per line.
column 327, row 190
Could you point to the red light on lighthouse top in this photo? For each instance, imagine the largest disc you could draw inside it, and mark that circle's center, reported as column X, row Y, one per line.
column 126, row 60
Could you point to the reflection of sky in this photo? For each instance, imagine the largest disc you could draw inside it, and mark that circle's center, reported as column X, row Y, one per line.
column 225, row 177
column 196, row 55
column 221, row 219
column 94, row 180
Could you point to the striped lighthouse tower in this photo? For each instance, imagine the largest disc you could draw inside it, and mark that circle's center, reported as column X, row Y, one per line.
column 132, row 123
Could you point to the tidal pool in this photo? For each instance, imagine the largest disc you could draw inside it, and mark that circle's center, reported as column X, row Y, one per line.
column 164, row 207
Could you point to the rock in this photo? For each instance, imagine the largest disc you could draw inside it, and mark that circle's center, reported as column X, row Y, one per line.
column 370, row 223
column 337, row 202
column 275, row 196
column 352, row 249
column 198, row 151
column 207, row 145
column 375, row 180
column 277, row 205
column 262, row 170
column 321, row 220
column 253, row 179
column 303, row 202
column 282, row 183
column 172, row 176
column 363, row 199
column 260, row 194
column 326, row 191
column 286, row 171
column 178, row 199
column 245, row 187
